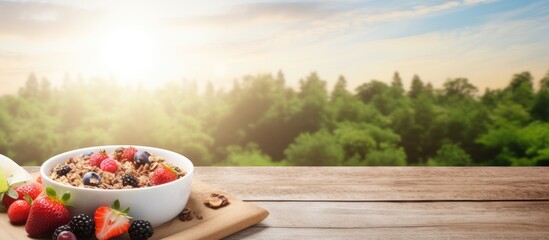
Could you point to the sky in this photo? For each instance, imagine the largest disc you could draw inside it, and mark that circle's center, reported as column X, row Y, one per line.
column 486, row 41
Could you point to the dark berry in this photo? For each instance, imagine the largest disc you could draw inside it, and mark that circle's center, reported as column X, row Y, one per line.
column 141, row 158
column 129, row 180
column 62, row 171
column 60, row 229
column 92, row 179
column 66, row 235
column 87, row 154
column 140, row 230
column 83, row 226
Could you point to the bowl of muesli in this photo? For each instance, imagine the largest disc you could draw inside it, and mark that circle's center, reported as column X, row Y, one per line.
column 155, row 183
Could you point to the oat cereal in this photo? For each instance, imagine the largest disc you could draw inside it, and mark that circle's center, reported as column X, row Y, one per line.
column 125, row 168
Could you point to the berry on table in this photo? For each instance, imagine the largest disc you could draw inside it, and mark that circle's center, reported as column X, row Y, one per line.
column 47, row 213
column 109, row 165
column 60, row 229
column 129, row 180
column 91, row 179
column 111, row 221
column 66, row 235
column 32, row 189
column 83, row 226
column 141, row 230
column 19, row 211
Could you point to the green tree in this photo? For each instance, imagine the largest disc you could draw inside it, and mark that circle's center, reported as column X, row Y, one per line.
column 450, row 154
column 319, row 148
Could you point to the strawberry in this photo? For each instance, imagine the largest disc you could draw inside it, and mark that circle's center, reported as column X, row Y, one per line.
column 111, row 221
column 33, row 189
column 163, row 174
column 97, row 158
column 19, row 210
column 109, row 165
column 128, row 154
column 47, row 213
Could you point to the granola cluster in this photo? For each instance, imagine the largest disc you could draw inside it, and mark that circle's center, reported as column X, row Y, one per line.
column 127, row 174
column 216, row 200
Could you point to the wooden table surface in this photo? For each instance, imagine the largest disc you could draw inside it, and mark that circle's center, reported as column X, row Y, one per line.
column 390, row 202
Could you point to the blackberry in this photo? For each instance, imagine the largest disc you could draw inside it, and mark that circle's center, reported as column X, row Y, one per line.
column 129, row 179
column 140, row 230
column 62, row 171
column 61, row 229
column 83, row 226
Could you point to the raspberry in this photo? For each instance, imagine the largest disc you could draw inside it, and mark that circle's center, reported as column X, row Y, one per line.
column 109, row 165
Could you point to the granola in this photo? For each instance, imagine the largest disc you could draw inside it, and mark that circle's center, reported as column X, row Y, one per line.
column 127, row 174
column 216, row 201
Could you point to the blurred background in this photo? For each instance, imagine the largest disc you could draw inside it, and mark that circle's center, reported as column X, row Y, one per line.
column 436, row 83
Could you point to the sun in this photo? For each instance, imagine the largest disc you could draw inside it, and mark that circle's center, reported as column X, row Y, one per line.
column 128, row 52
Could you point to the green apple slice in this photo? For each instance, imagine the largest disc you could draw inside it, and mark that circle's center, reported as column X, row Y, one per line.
column 3, row 181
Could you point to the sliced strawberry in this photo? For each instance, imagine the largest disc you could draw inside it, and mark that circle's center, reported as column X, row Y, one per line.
column 128, row 154
column 97, row 158
column 163, row 174
column 111, row 221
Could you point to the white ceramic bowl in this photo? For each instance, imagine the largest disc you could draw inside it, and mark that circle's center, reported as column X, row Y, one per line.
column 157, row 204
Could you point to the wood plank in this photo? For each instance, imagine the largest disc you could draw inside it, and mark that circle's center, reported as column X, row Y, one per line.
column 405, row 220
column 534, row 214
column 408, row 233
column 379, row 183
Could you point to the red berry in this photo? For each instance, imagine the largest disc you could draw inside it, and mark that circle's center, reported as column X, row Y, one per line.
column 33, row 189
column 128, row 154
column 47, row 213
column 111, row 222
column 97, row 158
column 66, row 235
column 18, row 212
column 109, row 165
column 163, row 174
column 39, row 179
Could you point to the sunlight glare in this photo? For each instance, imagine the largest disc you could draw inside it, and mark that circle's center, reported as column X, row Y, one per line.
column 128, row 53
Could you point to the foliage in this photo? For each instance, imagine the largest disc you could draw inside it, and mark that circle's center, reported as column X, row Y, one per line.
column 261, row 121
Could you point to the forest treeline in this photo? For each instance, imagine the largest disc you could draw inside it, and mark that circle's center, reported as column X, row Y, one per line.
column 262, row 121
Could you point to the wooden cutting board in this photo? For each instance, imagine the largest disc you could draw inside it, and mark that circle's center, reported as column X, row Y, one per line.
column 215, row 224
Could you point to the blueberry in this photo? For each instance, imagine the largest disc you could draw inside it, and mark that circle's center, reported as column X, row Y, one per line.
column 92, row 179
column 87, row 154
column 141, row 158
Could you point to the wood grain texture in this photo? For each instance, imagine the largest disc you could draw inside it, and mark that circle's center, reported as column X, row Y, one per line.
column 380, row 183
column 353, row 215
column 408, row 233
